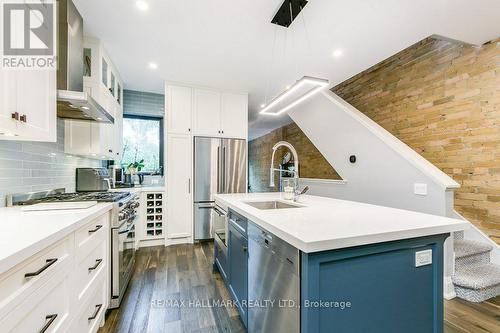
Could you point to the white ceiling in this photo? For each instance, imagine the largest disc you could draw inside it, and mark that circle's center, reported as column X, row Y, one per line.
column 229, row 43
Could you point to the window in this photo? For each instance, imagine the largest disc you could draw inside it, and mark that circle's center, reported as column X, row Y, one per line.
column 143, row 140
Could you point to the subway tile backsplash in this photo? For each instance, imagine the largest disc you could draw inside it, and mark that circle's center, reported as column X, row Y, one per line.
column 38, row 166
column 141, row 103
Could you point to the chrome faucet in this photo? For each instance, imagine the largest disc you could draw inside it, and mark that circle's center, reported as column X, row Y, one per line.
column 295, row 160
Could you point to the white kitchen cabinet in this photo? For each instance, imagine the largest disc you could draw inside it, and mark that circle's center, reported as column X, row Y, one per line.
column 207, row 112
column 48, row 307
column 92, row 312
column 92, row 139
column 28, row 105
column 179, row 101
column 118, row 136
column 179, row 186
column 234, row 115
column 77, row 134
column 68, row 287
column 8, row 107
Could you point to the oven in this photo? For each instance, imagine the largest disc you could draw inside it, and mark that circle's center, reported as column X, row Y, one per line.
column 123, row 243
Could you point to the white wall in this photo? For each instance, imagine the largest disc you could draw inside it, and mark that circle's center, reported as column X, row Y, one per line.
column 385, row 171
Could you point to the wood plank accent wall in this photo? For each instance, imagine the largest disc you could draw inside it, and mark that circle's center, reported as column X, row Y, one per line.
column 442, row 98
column 311, row 163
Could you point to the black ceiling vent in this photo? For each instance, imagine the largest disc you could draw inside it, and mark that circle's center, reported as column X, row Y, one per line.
column 288, row 11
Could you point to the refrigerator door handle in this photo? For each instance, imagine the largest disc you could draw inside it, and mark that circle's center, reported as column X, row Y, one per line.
column 223, row 169
column 218, row 170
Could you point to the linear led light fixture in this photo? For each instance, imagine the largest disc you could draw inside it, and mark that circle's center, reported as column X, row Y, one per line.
column 316, row 86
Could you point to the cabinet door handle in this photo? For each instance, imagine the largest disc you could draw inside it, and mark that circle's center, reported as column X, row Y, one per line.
column 50, row 319
column 97, row 263
column 244, row 248
column 15, row 115
column 97, row 227
column 23, row 118
column 49, row 262
column 110, row 150
column 189, row 130
column 189, row 185
column 96, row 312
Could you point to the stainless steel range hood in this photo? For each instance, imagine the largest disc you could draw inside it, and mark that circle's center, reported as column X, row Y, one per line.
column 72, row 101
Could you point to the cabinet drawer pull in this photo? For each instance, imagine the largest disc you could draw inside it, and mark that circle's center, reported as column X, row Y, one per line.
column 50, row 319
column 15, row 115
column 96, row 312
column 49, row 262
column 237, row 226
column 97, row 263
column 97, row 227
column 23, row 118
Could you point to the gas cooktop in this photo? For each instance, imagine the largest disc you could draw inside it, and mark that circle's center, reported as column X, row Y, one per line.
column 80, row 196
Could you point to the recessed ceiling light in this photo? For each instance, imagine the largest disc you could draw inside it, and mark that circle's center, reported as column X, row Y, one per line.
column 99, row 118
column 153, row 65
column 337, row 53
column 262, row 106
column 142, row 5
column 85, row 107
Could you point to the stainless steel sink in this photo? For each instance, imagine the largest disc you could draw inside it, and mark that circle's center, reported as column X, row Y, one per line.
column 270, row 205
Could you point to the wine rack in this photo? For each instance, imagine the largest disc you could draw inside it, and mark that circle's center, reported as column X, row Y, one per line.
column 155, row 215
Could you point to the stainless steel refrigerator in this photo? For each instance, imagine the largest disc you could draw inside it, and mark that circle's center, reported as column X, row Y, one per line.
column 220, row 166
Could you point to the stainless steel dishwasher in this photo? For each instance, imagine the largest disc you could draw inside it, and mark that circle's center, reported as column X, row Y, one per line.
column 273, row 282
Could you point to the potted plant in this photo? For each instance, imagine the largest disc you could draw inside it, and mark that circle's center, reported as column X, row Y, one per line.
column 135, row 169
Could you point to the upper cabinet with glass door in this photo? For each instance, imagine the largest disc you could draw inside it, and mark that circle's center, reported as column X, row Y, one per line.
column 102, row 81
column 101, row 78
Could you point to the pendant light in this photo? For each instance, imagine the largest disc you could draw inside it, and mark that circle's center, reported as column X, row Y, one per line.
column 303, row 88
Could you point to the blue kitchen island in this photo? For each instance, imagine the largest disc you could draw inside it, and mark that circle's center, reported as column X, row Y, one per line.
column 326, row 265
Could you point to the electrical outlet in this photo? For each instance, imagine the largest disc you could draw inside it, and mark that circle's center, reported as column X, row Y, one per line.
column 420, row 189
column 423, row 258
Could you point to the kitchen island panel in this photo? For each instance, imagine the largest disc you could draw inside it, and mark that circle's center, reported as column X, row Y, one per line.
column 374, row 288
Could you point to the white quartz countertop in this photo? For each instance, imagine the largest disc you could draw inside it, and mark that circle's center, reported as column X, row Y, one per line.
column 326, row 224
column 23, row 234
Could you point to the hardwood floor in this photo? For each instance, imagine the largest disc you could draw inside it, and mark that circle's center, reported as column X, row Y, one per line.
column 172, row 274
column 164, row 276
column 466, row 317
